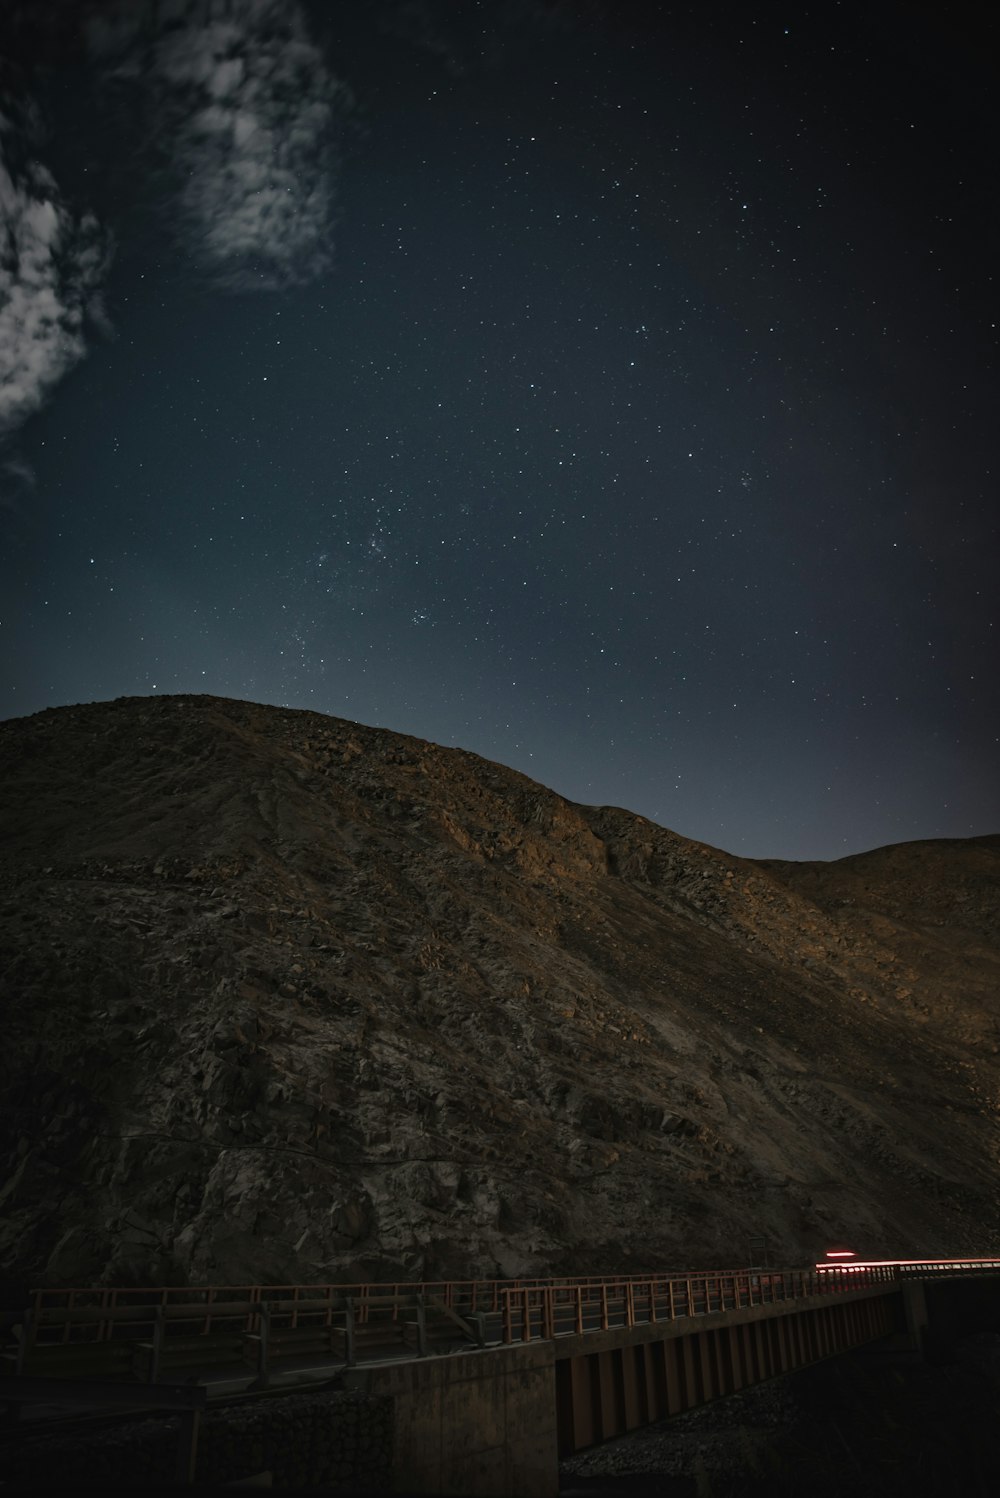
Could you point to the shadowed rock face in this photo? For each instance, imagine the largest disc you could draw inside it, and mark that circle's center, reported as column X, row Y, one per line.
column 291, row 999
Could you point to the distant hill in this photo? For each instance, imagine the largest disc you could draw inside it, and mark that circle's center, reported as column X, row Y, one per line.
column 286, row 998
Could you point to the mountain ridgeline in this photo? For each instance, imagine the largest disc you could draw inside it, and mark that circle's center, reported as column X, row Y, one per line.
column 289, row 999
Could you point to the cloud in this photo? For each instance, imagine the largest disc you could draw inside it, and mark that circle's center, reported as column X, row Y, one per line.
column 248, row 107
column 18, row 470
column 243, row 107
column 17, row 480
column 52, row 263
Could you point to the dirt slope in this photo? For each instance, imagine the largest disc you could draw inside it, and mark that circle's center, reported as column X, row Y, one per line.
column 287, row 998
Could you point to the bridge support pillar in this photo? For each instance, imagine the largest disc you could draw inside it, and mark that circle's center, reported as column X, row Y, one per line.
column 481, row 1424
column 915, row 1312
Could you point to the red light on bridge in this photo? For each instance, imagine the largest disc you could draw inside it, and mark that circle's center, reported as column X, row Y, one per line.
column 839, row 1257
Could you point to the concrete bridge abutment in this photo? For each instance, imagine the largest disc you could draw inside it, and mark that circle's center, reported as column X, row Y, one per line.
column 479, row 1424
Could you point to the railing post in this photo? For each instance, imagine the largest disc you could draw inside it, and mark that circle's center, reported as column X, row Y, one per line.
column 159, row 1327
column 263, row 1343
column 604, row 1306
column 350, row 1351
column 421, row 1327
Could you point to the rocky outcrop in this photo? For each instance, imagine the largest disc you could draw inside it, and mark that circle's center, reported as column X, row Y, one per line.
column 290, row 999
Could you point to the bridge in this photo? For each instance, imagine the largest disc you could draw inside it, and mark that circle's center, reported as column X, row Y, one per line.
column 491, row 1381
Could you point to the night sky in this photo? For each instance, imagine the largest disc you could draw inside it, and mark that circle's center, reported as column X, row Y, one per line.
column 609, row 390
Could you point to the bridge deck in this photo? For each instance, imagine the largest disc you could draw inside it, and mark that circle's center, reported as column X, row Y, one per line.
column 150, row 1333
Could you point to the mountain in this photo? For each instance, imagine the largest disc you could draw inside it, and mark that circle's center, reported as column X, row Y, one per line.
column 290, row 999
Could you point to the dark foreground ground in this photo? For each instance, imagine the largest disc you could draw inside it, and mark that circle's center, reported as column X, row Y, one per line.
column 871, row 1424
column 874, row 1422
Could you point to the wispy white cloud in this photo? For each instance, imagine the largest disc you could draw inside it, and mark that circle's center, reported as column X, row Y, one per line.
column 245, row 105
column 17, row 480
column 19, row 471
column 52, row 263
column 244, row 108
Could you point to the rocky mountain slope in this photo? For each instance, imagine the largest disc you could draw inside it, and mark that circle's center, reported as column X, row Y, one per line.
column 287, row 999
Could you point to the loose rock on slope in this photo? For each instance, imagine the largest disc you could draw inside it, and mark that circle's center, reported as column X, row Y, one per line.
column 291, row 999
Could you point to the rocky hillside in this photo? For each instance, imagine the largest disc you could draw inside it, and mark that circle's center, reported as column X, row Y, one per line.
column 288, row 999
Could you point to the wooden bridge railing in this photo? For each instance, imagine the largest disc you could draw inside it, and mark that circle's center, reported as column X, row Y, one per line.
column 554, row 1309
column 521, row 1309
